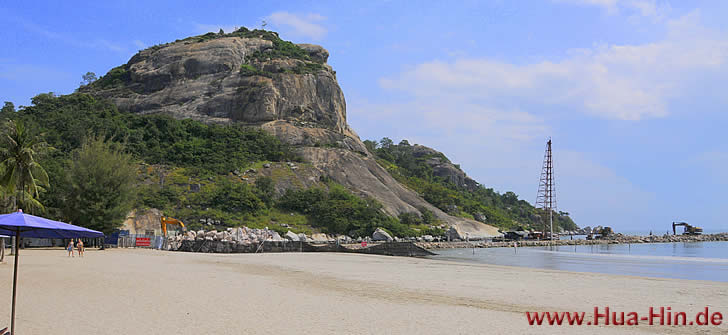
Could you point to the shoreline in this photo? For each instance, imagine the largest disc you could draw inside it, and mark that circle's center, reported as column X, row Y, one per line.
column 619, row 239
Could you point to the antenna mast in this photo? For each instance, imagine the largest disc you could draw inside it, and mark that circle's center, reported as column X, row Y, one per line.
column 545, row 198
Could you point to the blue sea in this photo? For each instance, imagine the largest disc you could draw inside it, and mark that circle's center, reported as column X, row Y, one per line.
column 683, row 260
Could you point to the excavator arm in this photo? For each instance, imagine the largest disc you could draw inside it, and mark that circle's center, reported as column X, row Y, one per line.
column 677, row 224
column 164, row 221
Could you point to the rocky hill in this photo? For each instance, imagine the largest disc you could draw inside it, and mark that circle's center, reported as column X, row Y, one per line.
column 255, row 78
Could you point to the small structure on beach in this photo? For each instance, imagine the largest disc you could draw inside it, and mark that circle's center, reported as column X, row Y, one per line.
column 21, row 225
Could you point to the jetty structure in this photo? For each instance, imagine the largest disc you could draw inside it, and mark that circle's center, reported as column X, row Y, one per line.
column 546, row 199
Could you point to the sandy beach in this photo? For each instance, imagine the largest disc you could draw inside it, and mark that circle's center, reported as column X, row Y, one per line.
column 139, row 291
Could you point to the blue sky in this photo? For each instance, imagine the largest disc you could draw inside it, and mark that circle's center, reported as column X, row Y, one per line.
column 632, row 91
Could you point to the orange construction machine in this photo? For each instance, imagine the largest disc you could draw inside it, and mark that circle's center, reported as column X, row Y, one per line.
column 167, row 220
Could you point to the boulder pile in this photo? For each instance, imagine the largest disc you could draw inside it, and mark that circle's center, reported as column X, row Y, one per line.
column 251, row 236
column 241, row 235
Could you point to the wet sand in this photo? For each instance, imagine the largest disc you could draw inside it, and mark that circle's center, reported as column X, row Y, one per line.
column 139, row 291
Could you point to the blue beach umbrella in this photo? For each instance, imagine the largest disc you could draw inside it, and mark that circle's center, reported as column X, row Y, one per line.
column 21, row 225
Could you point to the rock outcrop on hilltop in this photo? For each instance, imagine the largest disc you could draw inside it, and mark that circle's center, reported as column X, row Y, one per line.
column 254, row 78
column 442, row 167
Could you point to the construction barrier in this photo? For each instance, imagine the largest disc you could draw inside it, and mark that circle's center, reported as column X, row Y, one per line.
column 143, row 242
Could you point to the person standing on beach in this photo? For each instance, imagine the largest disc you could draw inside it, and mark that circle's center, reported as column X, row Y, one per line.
column 70, row 248
column 79, row 245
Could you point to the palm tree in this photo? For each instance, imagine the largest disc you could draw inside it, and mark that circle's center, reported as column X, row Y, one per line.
column 18, row 149
column 3, row 197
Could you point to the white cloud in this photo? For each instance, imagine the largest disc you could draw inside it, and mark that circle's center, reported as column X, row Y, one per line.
column 504, row 150
column 110, row 45
column 17, row 72
column 626, row 82
column 69, row 39
column 650, row 8
column 139, row 44
column 493, row 116
column 598, row 192
column 308, row 25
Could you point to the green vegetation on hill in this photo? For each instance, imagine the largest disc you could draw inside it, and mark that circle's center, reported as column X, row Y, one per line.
column 184, row 168
column 336, row 210
column 116, row 77
column 501, row 210
column 154, row 139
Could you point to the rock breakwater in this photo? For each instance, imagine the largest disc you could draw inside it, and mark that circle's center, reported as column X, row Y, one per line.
column 617, row 239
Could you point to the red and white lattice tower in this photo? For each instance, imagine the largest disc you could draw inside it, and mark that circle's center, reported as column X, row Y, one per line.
column 546, row 198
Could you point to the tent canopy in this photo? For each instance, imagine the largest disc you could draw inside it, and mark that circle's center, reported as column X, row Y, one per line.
column 34, row 226
column 26, row 225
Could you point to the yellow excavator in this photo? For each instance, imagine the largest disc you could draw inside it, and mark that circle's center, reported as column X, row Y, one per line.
column 164, row 220
column 689, row 230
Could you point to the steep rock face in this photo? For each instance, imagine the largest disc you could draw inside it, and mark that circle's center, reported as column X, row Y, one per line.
column 363, row 175
column 297, row 100
column 142, row 221
column 207, row 81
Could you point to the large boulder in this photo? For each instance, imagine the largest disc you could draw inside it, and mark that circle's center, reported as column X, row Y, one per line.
column 276, row 237
column 473, row 230
column 319, row 237
column 292, row 236
column 141, row 221
column 344, row 239
column 316, row 52
column 381, row 235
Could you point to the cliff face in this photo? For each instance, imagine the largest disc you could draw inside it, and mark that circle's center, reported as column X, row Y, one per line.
column 287, row 90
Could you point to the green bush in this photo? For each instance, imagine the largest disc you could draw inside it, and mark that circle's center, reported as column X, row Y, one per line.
column 338, row 211
column 116, row 77
column 154, row 139
column 249, row 70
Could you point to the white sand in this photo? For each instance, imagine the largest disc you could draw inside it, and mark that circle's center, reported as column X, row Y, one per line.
column 153, row 292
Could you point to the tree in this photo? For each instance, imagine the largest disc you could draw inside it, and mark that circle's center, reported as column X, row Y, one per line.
column 88, row 78
column 7, row 111
column 428, row 217
column 510, row 198
column 266, row 189
column 410, row 219
column 370, row 145
column 100, row 185
column 23, row 177
column 236, row 197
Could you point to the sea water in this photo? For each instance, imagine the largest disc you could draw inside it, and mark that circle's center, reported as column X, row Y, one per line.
column 681, row 260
